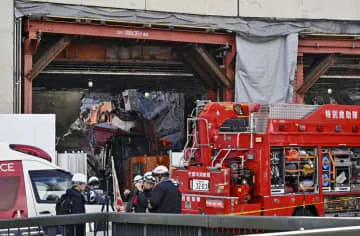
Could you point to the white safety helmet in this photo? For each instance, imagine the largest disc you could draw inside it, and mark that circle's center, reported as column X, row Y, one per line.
column 161, row 170
column 149, row 173
column 138, row 178
column 149, row 179
column 93, row 180
column 78, row 179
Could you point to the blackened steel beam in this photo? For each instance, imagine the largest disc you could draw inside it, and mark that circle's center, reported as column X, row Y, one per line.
column 191, row 62
column 213, row 67
column 48, row 57
column 315, row 74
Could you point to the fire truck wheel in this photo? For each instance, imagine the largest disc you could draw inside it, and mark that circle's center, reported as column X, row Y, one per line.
column 303, row 212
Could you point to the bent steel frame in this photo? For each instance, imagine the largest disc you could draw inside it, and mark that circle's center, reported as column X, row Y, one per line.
column 35, row 28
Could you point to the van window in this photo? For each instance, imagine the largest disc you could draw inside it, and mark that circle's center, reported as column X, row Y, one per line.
column 10, row 186
column 49, row 185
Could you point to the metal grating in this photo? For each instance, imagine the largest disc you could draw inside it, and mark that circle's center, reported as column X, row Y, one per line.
column 291, row 111
column 261, row 119
column 280, row 111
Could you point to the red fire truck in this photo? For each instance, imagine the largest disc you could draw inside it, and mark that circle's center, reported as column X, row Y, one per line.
column 281, row 159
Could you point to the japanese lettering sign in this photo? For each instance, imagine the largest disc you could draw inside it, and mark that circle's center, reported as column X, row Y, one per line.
column 133, row 33
column 341, row 114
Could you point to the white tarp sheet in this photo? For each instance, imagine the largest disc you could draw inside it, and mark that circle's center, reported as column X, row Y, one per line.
column 246, row 26
column 265, row 68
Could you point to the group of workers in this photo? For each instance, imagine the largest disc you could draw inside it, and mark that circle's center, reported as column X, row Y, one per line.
column 154, row 192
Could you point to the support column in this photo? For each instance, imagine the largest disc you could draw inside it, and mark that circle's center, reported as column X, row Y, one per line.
column 299, row 79
column 28, row 63
column 229, row 72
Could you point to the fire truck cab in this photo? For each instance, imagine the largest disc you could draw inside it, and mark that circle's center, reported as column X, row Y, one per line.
column 264, row 159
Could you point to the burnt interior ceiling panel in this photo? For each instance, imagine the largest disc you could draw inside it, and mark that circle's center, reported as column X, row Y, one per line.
column 114, row 65
column 339, row 83
column 117, row 64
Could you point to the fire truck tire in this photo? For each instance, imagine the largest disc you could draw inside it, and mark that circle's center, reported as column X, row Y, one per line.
column 303, row 212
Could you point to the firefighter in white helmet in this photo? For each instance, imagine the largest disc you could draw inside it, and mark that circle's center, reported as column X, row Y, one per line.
column 144, row 196
column 165, row 197
column 73, row 202
column 149, row 173
column 95, row 195
column 132, row 198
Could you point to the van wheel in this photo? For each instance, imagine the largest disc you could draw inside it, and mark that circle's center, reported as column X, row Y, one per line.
column 303, row 212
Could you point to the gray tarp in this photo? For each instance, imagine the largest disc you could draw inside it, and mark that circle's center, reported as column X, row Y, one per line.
column 249, row 27
column 265, row 68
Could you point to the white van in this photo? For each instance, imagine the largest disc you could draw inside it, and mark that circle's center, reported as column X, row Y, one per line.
column 30, row 184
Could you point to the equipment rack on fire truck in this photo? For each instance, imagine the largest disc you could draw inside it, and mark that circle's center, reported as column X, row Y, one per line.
column 271, row 159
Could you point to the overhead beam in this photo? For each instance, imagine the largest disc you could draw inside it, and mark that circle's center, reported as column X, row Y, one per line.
column 118, row 31
column 119, row 73
column 190, row 61
column 326, row 46
column 48, row 57
column 315, row 74
column 212, row 66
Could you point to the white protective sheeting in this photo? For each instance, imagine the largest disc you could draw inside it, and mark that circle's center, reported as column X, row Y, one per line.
column 264, row 27
column 265, row 68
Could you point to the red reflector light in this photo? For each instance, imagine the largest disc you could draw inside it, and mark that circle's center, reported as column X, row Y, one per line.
column 338, row 128
column 302, row 127
column 283, row 127
column 320, row 128
column 31, row 150
column 355, row 128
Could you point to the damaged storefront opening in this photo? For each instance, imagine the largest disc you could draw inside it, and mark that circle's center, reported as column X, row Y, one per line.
column 133, row 95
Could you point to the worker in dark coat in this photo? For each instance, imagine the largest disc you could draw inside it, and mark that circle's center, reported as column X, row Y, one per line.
column 165, row 197
column 133, row 197
column 95, row 195
column 144, row 196
column 77, row 203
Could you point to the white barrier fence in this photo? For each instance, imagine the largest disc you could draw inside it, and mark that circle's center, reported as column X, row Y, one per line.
column 75, row 162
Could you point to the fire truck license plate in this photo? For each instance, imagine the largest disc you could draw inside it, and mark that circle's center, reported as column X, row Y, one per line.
column 200, row 185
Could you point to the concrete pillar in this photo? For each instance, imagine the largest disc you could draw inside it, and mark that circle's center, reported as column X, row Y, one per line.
column 6, row 49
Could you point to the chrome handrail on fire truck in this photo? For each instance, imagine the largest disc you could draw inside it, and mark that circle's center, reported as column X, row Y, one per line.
column 193, row 135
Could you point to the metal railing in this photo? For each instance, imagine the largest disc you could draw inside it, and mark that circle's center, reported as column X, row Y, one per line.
column 172, row 224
